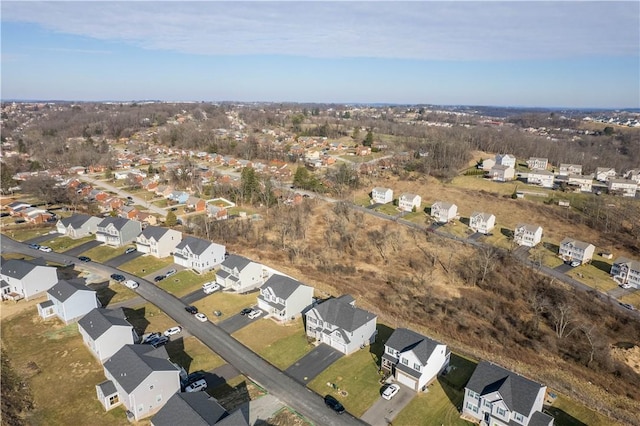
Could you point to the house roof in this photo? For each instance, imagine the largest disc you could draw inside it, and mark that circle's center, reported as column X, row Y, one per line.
column 633, row 264
column 442, row 205
column 282, row 286
column 500, row 167
column 485, row 216
column 404, row 340
column 97, row 321
column 196, row 245
column 64, row 289
column 580, row 244
column 118, row 222
column 343, row 314
column 517, row 392
column 235, row 261
column 528, row 227
column 132, row 364
column 107, row 388
column 76, row 221
column 18, row 268
column 237, row 418
column 541, row 173
column 408, row 196
column 540, row 419
column 381, row 189
column 189, row 408
column 155, row 232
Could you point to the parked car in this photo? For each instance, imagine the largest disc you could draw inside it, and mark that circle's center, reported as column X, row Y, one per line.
column 391, row 391
column 210, row 287
column 575, row 263
column 169, row 273
column 334, row 404
column 146, row 338
column 159, row 278
column 117, row 277
column 201, row 317
column 198, row 385
column 194, row 377
column 173, row 330
column 45, row 249
column 627, row 306
column 131, row 284
column 160, row 341
column 254, row 314
column 626, row 286
column 84, row 259
column 246, row 311
column 191, row 309
column 34, row 246
column 129, row 250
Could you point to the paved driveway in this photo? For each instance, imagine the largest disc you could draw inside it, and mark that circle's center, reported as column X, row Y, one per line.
column 564, row 268
column 42, row 238
column 123, row 258
column 475, row 236
column 236, row 322
column 382, row 412
column 315, row 362
column 82, row 248
column 190, row 298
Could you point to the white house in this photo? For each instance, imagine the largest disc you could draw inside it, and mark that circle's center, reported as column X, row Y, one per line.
column 537, row 163
column 78, row 225
column 413, row 359
column 626, row 271
column 239, row 274
column 157, row 241
column 501, row 173
column 197, row 254
column 407, row 202
column 573, row 250
column 339, row 324
column 543, row 178
column 496, row 396
column 284, row 298
column 506, row 160
column 488, row 164
column 443, row 212
column 624, row 187
column 603, row 174
column 482, row 222
column 633, row 175
column 527, row 235
column 118, row 231
column 25, row 278
column 582, row 183
column 382, row 195
column 570, row 169
column 105, row 331
column 68, row 300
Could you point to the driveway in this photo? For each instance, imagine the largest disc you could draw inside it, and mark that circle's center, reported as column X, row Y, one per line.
column 191, row 298
column 220, row 375
column 475, row 236
column 315, row 362
column 42, row 238
column 82, row 248
column 382, row 412
column 619, row 292
column 163, row 271
column 564, row 268
column 236, row 322
column 123, row 258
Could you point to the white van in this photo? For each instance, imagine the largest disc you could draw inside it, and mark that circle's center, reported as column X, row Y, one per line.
column 198, row 385
column 210, row 287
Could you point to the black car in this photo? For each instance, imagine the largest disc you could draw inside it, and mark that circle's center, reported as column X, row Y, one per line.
column 84, row 259
column 159, row 278
column 151, row 337
column 160, row 341
column 334, row 404
column 34, row 246
column 246, row 311
column 191, row 309
column 118, row 277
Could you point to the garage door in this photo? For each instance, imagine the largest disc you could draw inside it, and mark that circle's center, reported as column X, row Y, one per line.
column 406, row 380
column 339, row 346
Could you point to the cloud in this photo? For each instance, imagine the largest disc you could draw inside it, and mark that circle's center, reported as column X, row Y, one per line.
column 481, row 30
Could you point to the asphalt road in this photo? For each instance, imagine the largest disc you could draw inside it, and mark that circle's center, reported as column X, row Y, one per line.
column 279, row 384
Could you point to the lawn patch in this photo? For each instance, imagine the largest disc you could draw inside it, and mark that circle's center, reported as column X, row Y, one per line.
column 23, row 234
column 436, row 407
column 148, row 318
column 61, row 244
column 185, row 282
column 236, row 392
column 102, row 253
column 145, row 265
column 111, row 293
column 570, row 413
column 227, row 303
column 192, row 354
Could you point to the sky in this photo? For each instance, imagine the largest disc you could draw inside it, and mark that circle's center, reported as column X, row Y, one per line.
column 574, row 54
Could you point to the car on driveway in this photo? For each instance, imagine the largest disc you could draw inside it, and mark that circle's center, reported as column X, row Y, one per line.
column 131, row 284
column 45, row 249
column 191, row 309
column 391, row 391
column 210, row 287
column 173, row 330
column 575, row 263
column 254, row 314
column 118, row 277
column 201, row 317
column 150, row 337
column 160, row 341
column 159, row 278
column 246, row 311
column 627, row 306
column 130, row 250
column 334, row 404
column 34, row 246
column 84, row 259
column 198, row 385
column 169, row 273
column 626, row 286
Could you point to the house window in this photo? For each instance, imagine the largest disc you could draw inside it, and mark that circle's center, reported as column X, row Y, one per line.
column 113, row 399
column 390, row 350
column 501, row 411
column 471, row 393
column 405, row 361
column 150, row 387
column 320, row 323
column 487, row 403
column 312, row 320
column 417, row 366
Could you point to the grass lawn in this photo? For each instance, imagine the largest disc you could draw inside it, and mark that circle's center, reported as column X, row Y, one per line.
column 389, row 209
column 570, row 413
column 145, row 265
column 281, row 345
column 19, row 234
column 114, row 293
column 594, row 276
column 478, row 183
column 436, row 407
column 362, row 200
column 46, row 353
column 160, row 203
column 547, row 252
column 192, row 354
column 236, row 392
column 61, row 244
column 227, row 303
column 185, row 282
column 147, row 318
column 457, row 228
column 102, row 253
column 633, row 298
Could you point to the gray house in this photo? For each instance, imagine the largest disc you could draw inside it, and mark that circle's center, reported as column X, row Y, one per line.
column 78, row 225
column 157, row 241
column 284, row 297
column 117, row 231
column 26, row 278
column 198, row 254
column 497, row 396
column 239, row 274
column 338, row 323
column 69, row 300
column 195, row 409
column 105, row 331
column 140, row 377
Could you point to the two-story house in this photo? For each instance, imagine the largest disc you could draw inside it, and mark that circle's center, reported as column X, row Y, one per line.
column 408, row 202
column 239, row 274
column 482, row 222
column 117, row 231
column 443, row 212
column 603, row 174
column 382, row 195
column 140, row 377
column 543, row 178
column 413, row 359
column 527, row 235
column 624, row 187
column 68, row 300
column 198, row 254
column 157, row 241
column 500, row 173
column 570, row 169
column 78, row 225
column 581, row 183
column 105, row 331
column 506, row 160
column 626, row 271
column 26, row 278
column 572, row 250
column 537, row 163
column 196, row 409
column 496, row 396
column 284, row 298
column 338, row 323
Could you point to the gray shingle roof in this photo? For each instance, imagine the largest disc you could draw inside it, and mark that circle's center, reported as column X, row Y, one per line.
column 99, row 320
column 155, row 232
column 237, row 418
column 540, row 419
column 189, row 408
column 17, row 268
column 107, row 388
column 282, row 286
column 404, row 340
column 118, row 222
column 196, row 245
column 64, row 289
column 518, row 392
column 234, row 261
column 45, row 304
column 132, row 364
column 76, row 221
column 633, row 264
column 580, row 244
column 342, row 314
